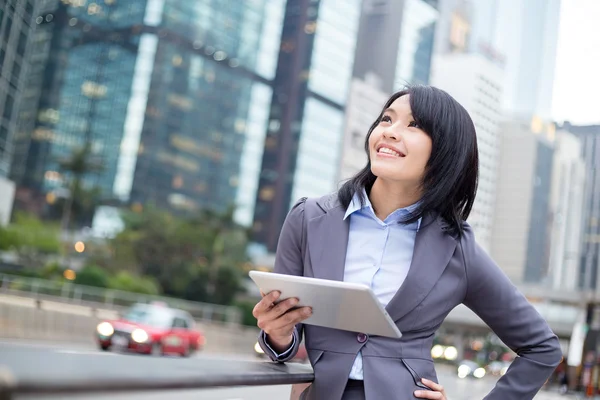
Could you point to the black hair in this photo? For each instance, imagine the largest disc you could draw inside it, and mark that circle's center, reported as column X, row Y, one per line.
column 451, row 174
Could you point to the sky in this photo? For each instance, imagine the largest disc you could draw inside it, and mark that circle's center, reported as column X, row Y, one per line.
column 576, row 96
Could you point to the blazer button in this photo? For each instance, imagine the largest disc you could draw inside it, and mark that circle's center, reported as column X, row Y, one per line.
column 362, row 337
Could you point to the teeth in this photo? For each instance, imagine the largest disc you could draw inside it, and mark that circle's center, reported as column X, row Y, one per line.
column 389, row 151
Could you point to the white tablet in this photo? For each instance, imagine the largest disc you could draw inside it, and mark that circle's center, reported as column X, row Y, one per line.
column 339, row 305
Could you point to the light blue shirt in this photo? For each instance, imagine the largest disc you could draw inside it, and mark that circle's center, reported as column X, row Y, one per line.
column 379, row 254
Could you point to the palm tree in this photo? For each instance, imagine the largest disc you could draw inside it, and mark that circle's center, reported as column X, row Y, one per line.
column 76, row 166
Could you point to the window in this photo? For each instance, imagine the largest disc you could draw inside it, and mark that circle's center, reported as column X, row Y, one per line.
column 21, row 45
column 7, row 28
column 8, row 106
column 179, row 322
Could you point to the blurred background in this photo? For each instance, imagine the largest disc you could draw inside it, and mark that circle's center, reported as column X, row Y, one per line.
column 151, row 149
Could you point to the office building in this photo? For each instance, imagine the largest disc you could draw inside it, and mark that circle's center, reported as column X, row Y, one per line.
column 171, row 95
column 475, row 81
column 589, row 135
column 380, row 70
column 303, row 140
column 521, row 234
column 523, row 33
column 16, row 20
column 566, row 205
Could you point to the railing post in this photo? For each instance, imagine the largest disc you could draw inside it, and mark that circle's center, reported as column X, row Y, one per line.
column 64, row 293
column 77, row 295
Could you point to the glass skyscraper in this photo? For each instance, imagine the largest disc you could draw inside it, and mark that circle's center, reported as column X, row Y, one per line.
column 16, row 18
column 303, row 140
column 171, row 95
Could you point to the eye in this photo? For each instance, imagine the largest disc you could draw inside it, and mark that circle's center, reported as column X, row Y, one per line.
column 386, row 118
column 413, row 124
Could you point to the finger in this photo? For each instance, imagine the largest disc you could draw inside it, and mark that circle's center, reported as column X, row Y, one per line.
column 281, row 308
column 291, row 318
column 431, row 384
column 426, row 394
column 265, row 303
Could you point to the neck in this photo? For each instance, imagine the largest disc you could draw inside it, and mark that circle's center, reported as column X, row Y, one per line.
column 387, row 197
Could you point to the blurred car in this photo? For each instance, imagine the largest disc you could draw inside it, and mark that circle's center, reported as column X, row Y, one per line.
column 498, row 368
column 301, row 356
column 470, row 369
column 151, row 329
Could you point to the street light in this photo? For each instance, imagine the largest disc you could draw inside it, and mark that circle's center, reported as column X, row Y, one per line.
column 79, row 247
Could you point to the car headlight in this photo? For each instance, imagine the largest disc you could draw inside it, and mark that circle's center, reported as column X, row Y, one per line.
column 258, row 349
column 105, row 329
column 139, row 336
column 464, row 371
column 451, row 353
column 479, row 373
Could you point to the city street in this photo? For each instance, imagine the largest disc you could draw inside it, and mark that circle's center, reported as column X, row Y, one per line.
column 457, row 389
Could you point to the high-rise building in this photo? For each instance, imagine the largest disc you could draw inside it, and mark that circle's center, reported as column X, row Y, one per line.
column 380, row 70
column 588, row 277
column 566, row 205
column 171, row 95
column 16, row 27
column 476, row 82
column 521, row 234
column 303, row 141
column 524, row 33
column 16, row 18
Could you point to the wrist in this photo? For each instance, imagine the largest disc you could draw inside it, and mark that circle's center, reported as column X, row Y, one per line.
column 280, row 344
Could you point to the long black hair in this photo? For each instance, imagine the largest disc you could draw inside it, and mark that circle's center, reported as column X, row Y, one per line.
column 450, row 181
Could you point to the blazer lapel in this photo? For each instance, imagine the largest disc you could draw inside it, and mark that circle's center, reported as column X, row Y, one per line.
column 432, row 252
column 327, row 243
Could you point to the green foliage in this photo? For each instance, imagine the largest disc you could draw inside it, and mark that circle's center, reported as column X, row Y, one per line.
column 29, row 233
column 246, row 307
column 92, row 275
column 130, row 283
column 197, row 258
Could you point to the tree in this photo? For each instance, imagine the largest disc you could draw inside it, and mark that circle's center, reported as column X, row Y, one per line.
column 31, row 239
column 198, row 258
column 92, row 275
column 80, row 163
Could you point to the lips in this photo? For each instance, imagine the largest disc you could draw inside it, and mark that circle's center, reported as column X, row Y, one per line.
column 387, row 150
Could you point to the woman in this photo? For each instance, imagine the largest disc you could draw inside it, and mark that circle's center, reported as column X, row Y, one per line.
column 399, row 227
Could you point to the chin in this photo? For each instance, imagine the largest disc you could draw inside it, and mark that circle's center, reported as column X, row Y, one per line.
column 385, row 172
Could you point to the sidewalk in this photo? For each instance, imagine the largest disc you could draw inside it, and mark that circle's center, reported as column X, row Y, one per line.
column 552, row 395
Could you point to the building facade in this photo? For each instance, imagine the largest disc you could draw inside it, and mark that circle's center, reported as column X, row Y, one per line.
column 476, row 82
column 380, row 70
column 16, row 20
column 567, row 207
column 521, row 234
column 588, row 277
column 171, row 95
column 304, row 136
column 16, row 31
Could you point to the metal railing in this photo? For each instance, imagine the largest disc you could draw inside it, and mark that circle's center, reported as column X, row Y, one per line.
column 22, row 373
column 110, row 299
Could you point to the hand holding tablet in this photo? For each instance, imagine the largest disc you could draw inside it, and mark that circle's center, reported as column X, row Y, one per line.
column 337, row 305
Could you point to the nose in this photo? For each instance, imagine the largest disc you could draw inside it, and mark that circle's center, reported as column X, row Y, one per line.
column 389, row 133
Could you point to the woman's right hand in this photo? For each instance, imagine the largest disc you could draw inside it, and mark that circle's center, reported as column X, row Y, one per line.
column 278, row 320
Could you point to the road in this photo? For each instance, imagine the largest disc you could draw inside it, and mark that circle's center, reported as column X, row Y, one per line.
column 457, row 389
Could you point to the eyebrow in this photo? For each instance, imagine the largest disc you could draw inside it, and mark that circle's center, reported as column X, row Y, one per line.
column 391, row 110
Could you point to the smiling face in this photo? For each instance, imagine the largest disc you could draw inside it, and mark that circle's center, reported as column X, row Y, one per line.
column 398, row 148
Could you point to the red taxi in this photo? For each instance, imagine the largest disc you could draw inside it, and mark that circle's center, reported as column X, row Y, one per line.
column 151, row 329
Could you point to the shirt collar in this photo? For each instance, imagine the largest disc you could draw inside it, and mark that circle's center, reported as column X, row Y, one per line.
column 355, row 205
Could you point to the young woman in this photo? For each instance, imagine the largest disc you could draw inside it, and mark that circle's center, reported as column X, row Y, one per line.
column 399, row 227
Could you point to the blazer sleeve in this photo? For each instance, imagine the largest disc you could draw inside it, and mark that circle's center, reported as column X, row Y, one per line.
column 289, row 260
column 493, row 297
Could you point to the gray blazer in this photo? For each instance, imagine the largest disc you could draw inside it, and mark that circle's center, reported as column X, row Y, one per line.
column 445, row 272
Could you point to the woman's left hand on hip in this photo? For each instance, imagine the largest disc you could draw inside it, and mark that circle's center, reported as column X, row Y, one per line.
column 437, row 391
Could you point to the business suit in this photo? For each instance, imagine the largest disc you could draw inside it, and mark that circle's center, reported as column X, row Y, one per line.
column 445, row 271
